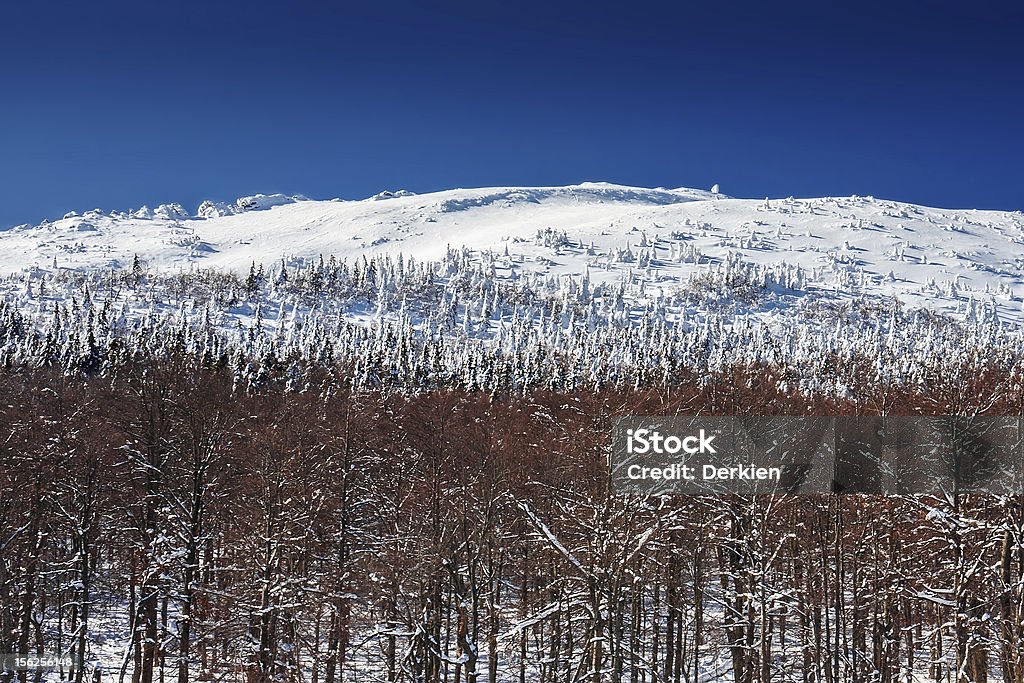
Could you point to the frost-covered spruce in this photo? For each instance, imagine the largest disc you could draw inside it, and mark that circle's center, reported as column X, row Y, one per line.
column 459, row 322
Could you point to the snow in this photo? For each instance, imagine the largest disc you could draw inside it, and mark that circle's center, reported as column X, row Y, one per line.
column 387, row 194
column 627, row 282
column 212, row 209
column 261, row 202
column 171, row 212
column 934, row 258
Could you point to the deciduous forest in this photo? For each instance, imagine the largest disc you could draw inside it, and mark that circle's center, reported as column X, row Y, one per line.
column 161, row 523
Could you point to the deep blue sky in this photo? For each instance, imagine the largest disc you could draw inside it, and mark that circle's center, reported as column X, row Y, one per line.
column 117, row 104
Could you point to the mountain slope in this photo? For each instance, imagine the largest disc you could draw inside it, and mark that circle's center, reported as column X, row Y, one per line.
column 935, row 258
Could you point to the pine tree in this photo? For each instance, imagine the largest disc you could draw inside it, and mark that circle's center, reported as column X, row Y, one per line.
column 252, row 282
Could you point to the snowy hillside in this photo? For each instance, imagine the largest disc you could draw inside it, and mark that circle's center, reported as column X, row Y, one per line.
column 935, row 258
column 509, row 288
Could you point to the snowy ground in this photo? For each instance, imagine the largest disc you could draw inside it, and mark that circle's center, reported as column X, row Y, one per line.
column 939, row 259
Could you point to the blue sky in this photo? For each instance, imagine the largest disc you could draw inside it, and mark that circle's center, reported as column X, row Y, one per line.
column 114, row 104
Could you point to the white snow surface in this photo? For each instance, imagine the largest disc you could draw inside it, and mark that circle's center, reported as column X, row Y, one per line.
column 927, row 257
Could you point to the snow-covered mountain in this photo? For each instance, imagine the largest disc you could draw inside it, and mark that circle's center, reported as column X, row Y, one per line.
column 507, row 288
column 935, row 258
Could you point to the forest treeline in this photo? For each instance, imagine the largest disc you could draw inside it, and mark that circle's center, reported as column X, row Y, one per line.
column 477, row 322
column 162, row 523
